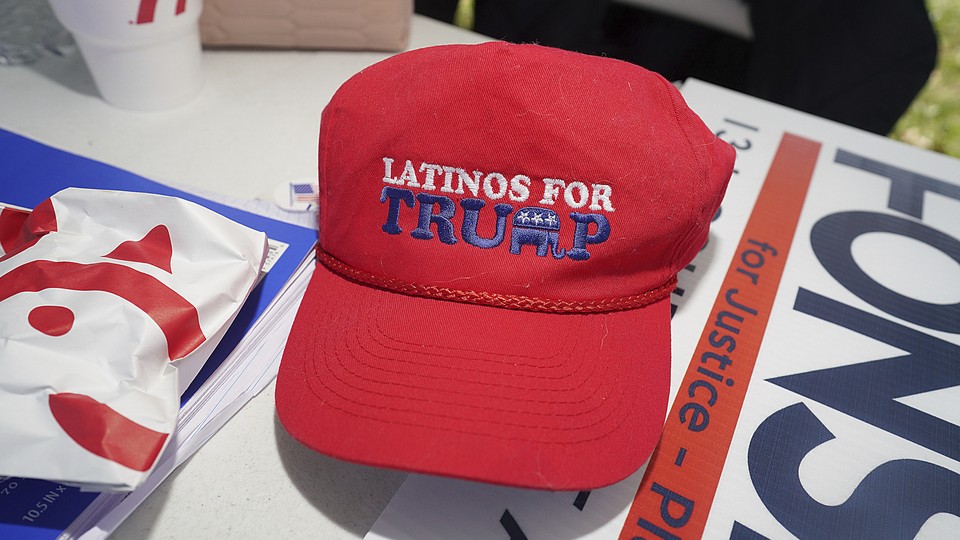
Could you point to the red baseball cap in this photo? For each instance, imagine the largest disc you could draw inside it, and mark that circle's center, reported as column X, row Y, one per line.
column 501, row 227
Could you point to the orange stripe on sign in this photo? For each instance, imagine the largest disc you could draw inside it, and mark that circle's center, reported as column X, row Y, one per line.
column 676, row 493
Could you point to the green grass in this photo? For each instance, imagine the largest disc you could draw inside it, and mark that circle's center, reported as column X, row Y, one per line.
column 933, row 119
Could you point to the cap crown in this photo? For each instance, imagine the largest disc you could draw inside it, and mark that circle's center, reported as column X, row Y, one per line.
column 516, row 170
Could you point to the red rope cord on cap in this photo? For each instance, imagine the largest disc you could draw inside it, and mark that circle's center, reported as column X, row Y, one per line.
column 511, row 301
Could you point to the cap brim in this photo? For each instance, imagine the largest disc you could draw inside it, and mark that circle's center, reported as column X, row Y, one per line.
column 539, row 400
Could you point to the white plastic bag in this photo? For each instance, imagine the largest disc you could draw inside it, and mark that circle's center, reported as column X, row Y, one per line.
column 110, row 303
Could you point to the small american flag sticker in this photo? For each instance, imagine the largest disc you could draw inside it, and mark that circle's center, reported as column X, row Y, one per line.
column 303, row 193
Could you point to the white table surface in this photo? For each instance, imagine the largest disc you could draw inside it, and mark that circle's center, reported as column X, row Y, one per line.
column 254, row 125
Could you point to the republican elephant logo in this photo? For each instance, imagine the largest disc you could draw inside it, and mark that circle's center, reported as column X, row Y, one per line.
column 539, row 227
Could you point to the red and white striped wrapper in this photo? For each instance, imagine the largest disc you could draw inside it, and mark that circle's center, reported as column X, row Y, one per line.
column 110, row 303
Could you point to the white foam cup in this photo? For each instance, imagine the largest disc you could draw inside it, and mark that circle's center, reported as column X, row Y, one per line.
column 143, row 54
